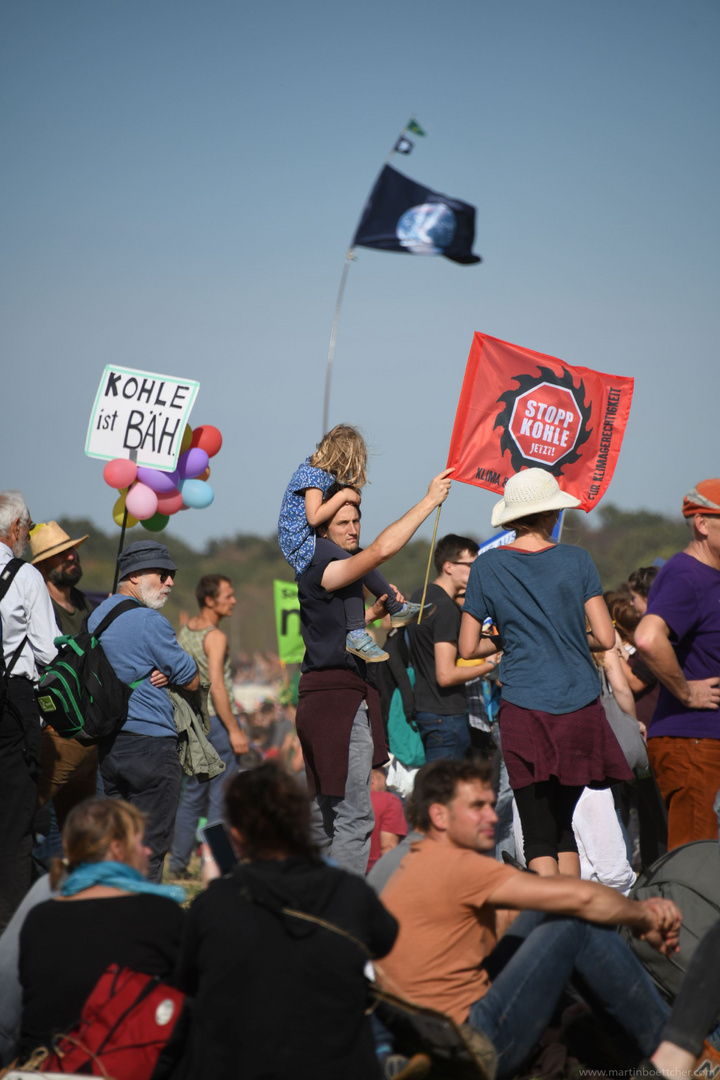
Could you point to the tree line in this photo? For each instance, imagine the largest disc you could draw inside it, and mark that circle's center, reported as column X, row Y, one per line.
column 618, row 540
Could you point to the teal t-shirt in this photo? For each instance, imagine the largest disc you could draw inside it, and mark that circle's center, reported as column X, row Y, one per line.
column 537, row 602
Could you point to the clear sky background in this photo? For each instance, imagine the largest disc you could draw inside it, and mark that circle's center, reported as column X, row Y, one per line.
column 181, row 180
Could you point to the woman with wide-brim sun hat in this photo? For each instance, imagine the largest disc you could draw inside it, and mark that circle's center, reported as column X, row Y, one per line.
column 555, row 737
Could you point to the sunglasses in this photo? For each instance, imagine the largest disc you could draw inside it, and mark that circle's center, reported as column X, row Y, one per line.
column 164, row 575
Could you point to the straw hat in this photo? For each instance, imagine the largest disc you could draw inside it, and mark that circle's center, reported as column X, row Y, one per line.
column 532, row 491
column 49, row 539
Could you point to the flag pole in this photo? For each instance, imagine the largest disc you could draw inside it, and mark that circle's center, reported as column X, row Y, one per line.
column 427, row 571
column 333, row 334
column 120, row 547
column 349, row 257
column 133, row 457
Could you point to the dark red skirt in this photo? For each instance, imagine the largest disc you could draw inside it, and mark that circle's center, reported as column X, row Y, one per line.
column 579, row 748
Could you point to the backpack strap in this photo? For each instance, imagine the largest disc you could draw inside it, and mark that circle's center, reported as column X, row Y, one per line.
column 277, row 910
column 7, row 575
column 119, row 609
column 6, row 579
column 14, row 658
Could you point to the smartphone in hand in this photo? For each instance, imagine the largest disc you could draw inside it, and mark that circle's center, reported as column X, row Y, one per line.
column 217, row 839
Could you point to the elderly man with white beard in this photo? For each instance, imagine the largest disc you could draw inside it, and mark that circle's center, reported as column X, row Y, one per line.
column 141, row 763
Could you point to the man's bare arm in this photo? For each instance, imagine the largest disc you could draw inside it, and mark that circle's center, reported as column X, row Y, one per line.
column 472, row 645
column 656, row 921
column 215, row 645
column 447, row 673
column 652, row 638
column 194, row 682
column 343, row 572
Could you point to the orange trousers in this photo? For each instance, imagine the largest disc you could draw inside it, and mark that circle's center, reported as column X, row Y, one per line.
column 688, row 775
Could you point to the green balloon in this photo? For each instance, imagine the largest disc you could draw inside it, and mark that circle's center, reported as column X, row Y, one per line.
column 156, row 523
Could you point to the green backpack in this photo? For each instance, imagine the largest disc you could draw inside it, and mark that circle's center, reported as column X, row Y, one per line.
column 79, row 695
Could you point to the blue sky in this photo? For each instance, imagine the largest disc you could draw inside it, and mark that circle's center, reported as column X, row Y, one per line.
column 181, row 181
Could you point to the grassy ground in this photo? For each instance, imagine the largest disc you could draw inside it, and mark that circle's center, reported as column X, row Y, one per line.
column 192, row 885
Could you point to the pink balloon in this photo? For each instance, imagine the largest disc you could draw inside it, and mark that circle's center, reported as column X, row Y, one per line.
column 207, row 438
column 156, row 480
column 193, row 462
column 141, row 501
column 120, row 473
column 169, row 502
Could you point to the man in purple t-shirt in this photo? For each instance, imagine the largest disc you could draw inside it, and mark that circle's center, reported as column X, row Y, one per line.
column 679, row 639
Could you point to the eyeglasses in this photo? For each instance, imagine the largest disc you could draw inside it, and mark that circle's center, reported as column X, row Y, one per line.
column 457, row 562
column 164, row 575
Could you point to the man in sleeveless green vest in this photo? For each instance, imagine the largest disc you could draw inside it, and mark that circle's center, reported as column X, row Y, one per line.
column 203, row 639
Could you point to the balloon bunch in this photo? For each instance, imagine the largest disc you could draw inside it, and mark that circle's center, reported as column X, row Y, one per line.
column 151, row 496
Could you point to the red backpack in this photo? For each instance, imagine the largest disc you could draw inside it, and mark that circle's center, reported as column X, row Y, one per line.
column 125, row 1024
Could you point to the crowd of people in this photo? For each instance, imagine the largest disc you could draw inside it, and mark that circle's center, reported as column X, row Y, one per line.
column 590, row 719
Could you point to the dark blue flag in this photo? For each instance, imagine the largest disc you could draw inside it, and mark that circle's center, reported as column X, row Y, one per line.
column 401, row 215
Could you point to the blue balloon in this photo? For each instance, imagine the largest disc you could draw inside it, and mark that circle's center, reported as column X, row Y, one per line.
column 197, row 494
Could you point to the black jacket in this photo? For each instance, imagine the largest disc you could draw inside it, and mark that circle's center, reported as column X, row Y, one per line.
column 278, row 997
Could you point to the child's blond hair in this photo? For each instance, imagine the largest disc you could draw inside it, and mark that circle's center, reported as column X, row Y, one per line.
column 343, row 453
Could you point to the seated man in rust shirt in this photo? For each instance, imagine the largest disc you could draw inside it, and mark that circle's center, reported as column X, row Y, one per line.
column 445, row 894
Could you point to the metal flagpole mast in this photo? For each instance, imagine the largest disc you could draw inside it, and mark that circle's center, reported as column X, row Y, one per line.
column 349, row 257
column 133, row 457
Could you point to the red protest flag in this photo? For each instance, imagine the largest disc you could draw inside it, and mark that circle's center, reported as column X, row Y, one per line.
column 520, row 409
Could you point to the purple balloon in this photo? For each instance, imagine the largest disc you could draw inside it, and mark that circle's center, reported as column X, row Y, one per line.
column 157, row 481
column 193, row 462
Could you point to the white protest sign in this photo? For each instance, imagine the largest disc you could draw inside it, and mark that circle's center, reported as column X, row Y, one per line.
column 143, row 412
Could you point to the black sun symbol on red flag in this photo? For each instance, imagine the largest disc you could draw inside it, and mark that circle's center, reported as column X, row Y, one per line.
column 544, row 421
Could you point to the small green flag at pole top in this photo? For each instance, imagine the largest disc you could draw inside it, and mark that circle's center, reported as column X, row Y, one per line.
column 415, row 127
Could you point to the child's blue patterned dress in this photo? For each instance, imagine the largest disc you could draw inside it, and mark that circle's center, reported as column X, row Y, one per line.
column 295, row 536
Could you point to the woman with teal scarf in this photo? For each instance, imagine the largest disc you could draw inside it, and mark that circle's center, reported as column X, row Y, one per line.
column 106, row 912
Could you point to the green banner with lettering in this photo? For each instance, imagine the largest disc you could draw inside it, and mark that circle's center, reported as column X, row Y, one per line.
column 287, row 622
